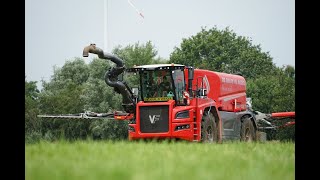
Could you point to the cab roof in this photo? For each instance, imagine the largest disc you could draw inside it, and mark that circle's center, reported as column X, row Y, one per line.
column 151, row 67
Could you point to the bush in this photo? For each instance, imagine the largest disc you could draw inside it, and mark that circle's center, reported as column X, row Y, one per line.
column 32, row 137
column 109, row 129
column 80, row 129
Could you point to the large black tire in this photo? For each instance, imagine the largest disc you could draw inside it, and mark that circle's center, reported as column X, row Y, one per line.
column 248, row 132
column 209, row 129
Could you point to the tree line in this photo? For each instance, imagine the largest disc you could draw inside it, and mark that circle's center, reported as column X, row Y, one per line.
column 79, row 86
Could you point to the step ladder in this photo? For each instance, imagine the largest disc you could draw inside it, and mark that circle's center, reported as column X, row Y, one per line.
column 196, row 128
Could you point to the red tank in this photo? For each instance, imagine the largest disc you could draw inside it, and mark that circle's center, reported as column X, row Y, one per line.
column 227, row 90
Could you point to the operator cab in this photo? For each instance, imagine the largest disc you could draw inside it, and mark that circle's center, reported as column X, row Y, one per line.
column 161, row 82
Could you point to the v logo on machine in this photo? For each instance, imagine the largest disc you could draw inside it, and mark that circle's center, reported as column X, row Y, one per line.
column 154, row 118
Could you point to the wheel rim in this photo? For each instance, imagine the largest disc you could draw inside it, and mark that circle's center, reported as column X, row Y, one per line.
column 247, row 136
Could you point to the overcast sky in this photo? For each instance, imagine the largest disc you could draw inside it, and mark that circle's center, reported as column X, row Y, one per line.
column 58, row 30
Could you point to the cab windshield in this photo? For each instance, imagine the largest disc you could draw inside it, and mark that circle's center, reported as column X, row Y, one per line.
column 162, row 85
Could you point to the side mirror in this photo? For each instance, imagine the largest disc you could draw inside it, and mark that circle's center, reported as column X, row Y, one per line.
column 135, row 91
column 190, row 73
column 190, row 78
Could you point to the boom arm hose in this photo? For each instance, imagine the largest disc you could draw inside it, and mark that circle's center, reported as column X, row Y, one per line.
column 111, row 76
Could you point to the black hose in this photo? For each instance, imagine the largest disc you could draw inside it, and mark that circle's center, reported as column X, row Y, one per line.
column 111, row 76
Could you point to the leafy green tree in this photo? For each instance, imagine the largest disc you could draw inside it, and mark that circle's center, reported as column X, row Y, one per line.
column 32, row 123
column 75, row 70
column 273, row 93
column 62, row 94
column 74, row 88
column 138, row 54
column 31, row 106
column 31, row 90
column 223, row 51
column 99, row 97
column 98, row 68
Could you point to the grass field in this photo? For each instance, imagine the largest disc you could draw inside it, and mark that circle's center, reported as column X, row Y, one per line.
column 105, row 160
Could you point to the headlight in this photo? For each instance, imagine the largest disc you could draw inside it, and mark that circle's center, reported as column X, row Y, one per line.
column 182, row 115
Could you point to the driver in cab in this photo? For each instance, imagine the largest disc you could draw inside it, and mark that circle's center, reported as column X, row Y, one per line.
column 165, row 86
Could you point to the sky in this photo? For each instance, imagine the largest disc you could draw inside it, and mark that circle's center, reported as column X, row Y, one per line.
column 57, row 31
